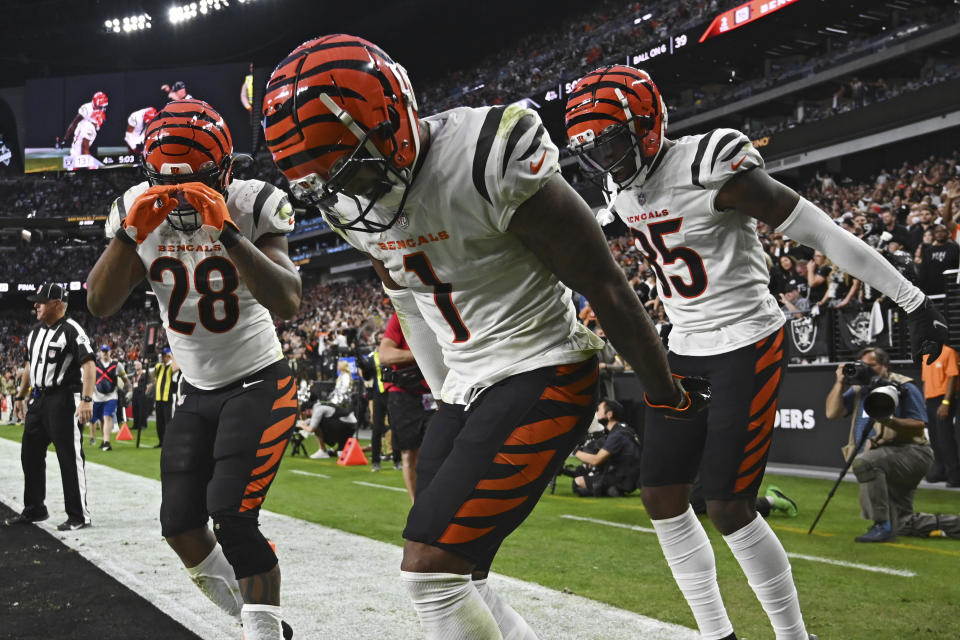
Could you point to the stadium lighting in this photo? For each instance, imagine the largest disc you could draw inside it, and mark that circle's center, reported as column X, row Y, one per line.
column 128, row 24
column 189, row 11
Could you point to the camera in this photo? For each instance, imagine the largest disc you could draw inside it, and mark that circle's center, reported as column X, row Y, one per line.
column 883, row 395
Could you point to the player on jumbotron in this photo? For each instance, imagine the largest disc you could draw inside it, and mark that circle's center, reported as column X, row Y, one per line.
column 214, row 252
column 693, row 205
column 137, row 126
column 84, row 126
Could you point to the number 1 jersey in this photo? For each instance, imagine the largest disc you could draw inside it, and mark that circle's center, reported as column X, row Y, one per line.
column 217, row 330
column 711, row 272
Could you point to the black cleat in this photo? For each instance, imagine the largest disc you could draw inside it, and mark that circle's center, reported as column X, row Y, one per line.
column 72, row 525
column 287, row 630
column 20, row 518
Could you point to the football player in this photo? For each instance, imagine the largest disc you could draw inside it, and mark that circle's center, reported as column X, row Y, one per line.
column 214, row 252
column 476, row 238
column 137, row 126
column 693, row 205
column 85, row 125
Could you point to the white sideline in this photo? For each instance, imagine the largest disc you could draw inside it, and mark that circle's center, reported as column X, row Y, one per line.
column 799, row 556
column 335, row 584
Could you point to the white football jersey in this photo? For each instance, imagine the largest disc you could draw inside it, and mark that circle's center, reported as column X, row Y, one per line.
column 85, row 130
column 711, row 273
column 217, row 330
column 135, row 137
column 86, row 110
column 495, row 309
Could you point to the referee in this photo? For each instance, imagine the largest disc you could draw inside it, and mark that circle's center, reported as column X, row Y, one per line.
column 58, row 350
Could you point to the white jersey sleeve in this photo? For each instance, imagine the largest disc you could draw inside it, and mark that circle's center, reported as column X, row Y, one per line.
column 720, row 155
column 86, row 110
column 518, row 159
column 119, row 207
column 266, row 209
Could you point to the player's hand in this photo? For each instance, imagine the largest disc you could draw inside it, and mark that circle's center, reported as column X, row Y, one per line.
column 695, row 397
column 148, row 211
column 928, row 332
column 211, row 206
column 58, row 144
column 165, row 88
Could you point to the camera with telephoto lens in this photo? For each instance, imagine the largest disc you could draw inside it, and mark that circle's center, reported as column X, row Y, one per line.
column 591, row 444
column 883, row 395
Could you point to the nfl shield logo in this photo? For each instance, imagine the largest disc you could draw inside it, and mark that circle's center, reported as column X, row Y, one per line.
column 641, row 198
column 402, row 221
column 52, row 354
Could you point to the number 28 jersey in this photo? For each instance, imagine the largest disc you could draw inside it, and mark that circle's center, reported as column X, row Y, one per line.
column 217, row 330
column 494, row 307
column 711, row 272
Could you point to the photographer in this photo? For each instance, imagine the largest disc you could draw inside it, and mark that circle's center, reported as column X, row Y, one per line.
column 896, row 454
column 616, row 465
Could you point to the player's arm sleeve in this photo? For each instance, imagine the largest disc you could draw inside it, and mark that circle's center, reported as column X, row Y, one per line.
column 422, row 340
column 722, row 154
column 115, row 218
column 514, row 159
column 808, row 225
column 272, row 212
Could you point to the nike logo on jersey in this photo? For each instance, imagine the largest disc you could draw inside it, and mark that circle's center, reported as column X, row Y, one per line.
column 937, row 323
column 535, row 168
column 250, row 384
column 736, row 166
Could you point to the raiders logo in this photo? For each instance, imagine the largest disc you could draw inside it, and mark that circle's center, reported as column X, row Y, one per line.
column 804, row 332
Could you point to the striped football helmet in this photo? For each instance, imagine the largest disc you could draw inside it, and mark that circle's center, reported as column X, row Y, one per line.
column 340, row 119
column 616, row 120
column 188, row 141
column 100, row 100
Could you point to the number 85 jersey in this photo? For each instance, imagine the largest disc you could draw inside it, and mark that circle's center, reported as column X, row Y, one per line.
column 217, row 330
column 711, row 272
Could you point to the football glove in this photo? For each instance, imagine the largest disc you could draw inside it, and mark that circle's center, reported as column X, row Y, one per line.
column 928, row 332
column 148, row 211
column 696, row 398
column 212, row 208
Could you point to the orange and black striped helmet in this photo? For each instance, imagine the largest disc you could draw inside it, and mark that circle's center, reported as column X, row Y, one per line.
column 616, row 121
column 340, row 118
column 188, row 141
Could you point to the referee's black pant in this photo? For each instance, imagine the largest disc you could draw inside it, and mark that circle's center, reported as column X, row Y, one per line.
column 164, row 412
column 50, row 418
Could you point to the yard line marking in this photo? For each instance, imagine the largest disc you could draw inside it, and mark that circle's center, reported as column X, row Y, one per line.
column 927, row 549
column 379, row 486
column 801, row 530
column 309, row 473
column 855, row 565
column 610, row 524
column 798, row 556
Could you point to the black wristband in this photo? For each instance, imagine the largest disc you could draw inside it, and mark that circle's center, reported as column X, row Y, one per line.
column 86, row 399
column 125, row 238
column 230, row 236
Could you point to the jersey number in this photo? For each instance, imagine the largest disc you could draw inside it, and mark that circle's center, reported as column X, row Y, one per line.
column 208, row 295
column 420, row 265
column 655, row 245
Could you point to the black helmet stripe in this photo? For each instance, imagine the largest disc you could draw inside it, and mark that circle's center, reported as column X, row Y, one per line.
column 590, row 117
column 292, row 131
column 310, row 154
column 187, row 142
column 184, row 125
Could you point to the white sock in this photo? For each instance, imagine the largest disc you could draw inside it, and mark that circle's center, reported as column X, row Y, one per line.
column 261, row 622
column 450, row 607
column 512, row 625
column 215, row 578
column 765, row 563
column 690, row 557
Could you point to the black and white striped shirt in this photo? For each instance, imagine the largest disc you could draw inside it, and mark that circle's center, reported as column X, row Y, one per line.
column 56, row 353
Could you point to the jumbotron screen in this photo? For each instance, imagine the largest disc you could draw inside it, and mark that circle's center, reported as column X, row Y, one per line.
column 98, row 121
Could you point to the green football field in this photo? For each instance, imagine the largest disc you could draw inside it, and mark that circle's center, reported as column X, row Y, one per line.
column 603, row 548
